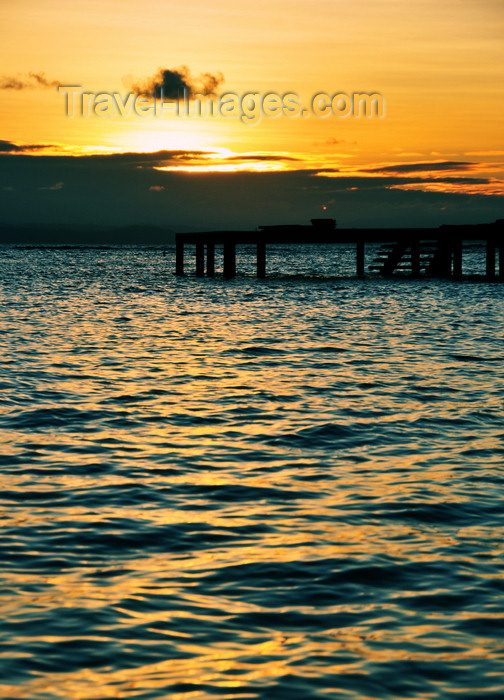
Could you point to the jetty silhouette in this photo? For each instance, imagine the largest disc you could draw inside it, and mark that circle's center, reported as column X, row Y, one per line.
column 435, row 252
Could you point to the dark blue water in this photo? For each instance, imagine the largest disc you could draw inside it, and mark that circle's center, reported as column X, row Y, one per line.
column 281, row 488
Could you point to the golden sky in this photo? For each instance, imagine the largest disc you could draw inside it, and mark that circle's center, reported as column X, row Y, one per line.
column 438, row 65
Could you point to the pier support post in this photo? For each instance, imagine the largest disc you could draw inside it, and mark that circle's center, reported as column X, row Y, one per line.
column 210, row 260
column 179, row 258
column 261, row 259
column 229, row 259
column 490, row 260
column 457, row 260
column 359, row 249
column 415, row 258
column 200, row 259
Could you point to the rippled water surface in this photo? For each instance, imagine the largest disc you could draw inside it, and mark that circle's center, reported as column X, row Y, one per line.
column 282, row 488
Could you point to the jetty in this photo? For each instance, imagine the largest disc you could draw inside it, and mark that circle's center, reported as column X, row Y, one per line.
column 435, row 252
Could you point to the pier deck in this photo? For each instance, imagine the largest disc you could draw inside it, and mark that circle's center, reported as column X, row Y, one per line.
column 435, row 252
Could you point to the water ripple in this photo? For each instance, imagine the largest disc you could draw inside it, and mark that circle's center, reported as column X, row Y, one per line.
column 280, row 488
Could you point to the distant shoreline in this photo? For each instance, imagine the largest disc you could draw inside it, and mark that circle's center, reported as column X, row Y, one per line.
column 143, row 234
column 83, row 235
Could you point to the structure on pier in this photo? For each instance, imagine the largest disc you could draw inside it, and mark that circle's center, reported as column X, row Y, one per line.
column 436, row 252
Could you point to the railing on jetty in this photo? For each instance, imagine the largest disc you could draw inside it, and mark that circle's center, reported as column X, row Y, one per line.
column 436, row 252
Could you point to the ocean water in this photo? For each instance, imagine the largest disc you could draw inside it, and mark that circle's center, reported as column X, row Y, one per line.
column 257, row 489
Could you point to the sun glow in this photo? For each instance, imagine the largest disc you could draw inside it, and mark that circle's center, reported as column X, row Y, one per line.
column 221, row 167
column 163, row 140
column 223, row 160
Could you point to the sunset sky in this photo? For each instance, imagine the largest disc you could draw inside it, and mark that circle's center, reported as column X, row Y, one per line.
column 435, row 155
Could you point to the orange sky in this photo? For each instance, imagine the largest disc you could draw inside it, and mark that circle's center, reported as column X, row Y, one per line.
column 438, row 64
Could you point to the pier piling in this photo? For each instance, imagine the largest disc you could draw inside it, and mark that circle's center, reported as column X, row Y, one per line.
column 261, row 259
column 457, row 260
column 200, row 259
column 210, row 250
column 415, row 258
column 229, row 259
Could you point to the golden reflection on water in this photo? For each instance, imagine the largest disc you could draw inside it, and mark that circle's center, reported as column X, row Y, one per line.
column 331, row 457
column 203, row 666
column 213, row 666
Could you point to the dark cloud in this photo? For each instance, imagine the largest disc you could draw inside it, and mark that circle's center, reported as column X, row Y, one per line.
column 43, row 82
column 13, row 84
column 259, row 157
column 173, row 83
column 343, row 182
column 147, row 160
column 381, row 183
column 125, row 188
column 127, row 158
column 180, row 158
column 9, row 147
column 419, row 167
column 34, row 80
